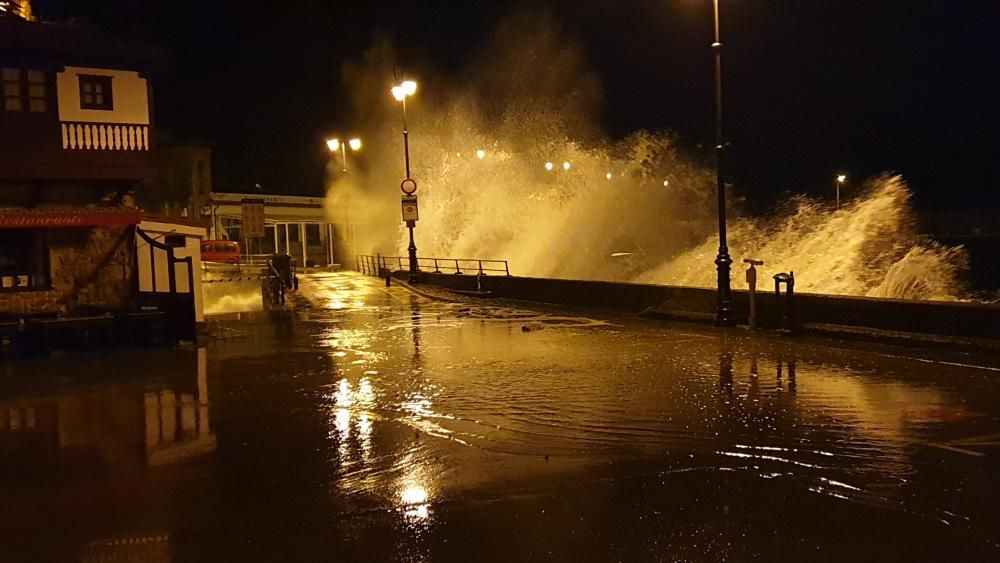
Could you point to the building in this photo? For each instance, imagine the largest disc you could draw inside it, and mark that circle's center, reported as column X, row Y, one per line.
column 182, row 184
column 76, row 142
column 20, row 9
column 293, row 225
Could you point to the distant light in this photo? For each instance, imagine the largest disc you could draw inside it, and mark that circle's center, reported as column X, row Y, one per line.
column 414, row 494
column 480, row 154
column 841, row 178
column 608, row 176
column 333, row 144
column 355, row 144
column 409, row 87
column 566, row 166
column 618, row 254
column 666, row 183
column 398, row 92
column 549, row 166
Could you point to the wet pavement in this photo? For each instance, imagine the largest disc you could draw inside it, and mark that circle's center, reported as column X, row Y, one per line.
column 381, row 425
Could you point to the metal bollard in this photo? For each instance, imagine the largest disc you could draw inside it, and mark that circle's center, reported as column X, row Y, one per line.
column 752, row 285
column 786, row 310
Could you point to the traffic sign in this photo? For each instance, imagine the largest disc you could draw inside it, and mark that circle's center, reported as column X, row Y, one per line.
column 410, row 212
column 252, row 225
column 409, row 186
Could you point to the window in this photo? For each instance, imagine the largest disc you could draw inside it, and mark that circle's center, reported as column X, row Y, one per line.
column 12, row 98
column 95, row 92
column 24, row 90
column 24, row 259
column 293, row 232
column 175, row 241
column 37, row 101
column 312, row 234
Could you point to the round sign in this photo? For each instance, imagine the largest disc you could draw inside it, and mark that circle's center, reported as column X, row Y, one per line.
column 409, row 186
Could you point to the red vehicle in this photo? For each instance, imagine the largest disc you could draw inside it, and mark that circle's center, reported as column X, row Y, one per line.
column 226, row 251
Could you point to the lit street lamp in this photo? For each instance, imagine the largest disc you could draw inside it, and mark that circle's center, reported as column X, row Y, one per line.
column 480, row 154
column 841, row 178
column 335, row 145
column 400, row 93
column 724, row 312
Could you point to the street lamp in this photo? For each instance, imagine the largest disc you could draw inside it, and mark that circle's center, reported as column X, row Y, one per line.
column 335, row 145
column 549, row 166
column 566, row 166
column 480, row 154
column 400, row 92
column 841, row 178
column 724, row 311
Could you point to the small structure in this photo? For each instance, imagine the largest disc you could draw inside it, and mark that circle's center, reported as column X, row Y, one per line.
column 168, row 262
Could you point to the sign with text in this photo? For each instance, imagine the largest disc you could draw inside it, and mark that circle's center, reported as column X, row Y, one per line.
column 29, row 218
column 410, row 212
column 253, row 218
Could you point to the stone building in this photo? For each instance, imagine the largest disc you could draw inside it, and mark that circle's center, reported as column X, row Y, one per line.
column 182, row 185
column 76, row 134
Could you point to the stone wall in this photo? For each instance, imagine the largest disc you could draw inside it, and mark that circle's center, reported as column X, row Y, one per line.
column 89, row 267
column 968, row 320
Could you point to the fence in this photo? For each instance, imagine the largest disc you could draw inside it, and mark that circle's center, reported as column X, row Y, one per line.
column 373, row 265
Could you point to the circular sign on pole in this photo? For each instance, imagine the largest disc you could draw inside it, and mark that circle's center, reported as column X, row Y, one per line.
column 409, row 186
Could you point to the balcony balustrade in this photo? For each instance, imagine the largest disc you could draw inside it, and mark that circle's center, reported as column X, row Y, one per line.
column 105, row 136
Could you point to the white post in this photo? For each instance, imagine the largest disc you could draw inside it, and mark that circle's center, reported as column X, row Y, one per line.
column 329, row 243
column 302, row 243
column 275, row 238
column 288, row 242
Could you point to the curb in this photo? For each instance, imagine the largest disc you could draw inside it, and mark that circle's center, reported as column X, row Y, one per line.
column 424, row 294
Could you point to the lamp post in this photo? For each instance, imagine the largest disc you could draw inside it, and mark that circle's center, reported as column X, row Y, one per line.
column 335, row 145
column 724, row 310
column 841, row 178
column 400, row 93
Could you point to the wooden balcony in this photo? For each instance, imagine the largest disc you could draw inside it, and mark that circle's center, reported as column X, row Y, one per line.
column 104, row 136
column 40, row 148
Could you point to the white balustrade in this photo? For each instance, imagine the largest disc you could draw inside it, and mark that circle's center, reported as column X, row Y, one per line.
column 105, row 136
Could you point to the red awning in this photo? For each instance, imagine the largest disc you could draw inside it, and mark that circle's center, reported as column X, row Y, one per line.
column 67, row 218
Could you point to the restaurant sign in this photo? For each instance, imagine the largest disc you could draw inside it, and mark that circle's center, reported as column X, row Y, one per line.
column 39, row 218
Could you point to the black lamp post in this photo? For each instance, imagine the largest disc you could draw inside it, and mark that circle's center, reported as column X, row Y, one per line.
column 401, row 92
column 724, row 310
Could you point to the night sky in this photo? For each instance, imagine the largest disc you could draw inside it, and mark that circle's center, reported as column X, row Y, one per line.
column 812, row 87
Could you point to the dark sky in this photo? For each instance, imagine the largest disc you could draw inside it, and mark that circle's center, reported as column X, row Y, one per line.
column 812, row 87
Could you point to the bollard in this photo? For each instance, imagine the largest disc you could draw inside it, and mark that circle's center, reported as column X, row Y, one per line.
column 786, row 310
column 388, row 279
column 752, row 285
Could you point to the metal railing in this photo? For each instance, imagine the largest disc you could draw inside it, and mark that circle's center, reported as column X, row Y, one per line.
column 253, row 261
column 372, row 265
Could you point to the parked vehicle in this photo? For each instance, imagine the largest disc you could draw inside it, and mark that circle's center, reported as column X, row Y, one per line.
column 225, row 251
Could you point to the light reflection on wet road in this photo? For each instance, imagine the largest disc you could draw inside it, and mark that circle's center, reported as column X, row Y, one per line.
column 384, row 425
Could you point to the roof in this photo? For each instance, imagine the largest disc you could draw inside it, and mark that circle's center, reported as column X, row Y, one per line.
column 269, row 199
column 73, row 43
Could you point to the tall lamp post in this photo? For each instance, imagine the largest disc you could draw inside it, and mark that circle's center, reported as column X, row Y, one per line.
column 335, row 145
column 400, row 93
column 724, row 310
column 841, row 178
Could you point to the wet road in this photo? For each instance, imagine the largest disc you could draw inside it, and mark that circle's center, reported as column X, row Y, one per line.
column 381, row 425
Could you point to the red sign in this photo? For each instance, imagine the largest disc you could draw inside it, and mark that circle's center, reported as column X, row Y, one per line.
column 31, row 218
